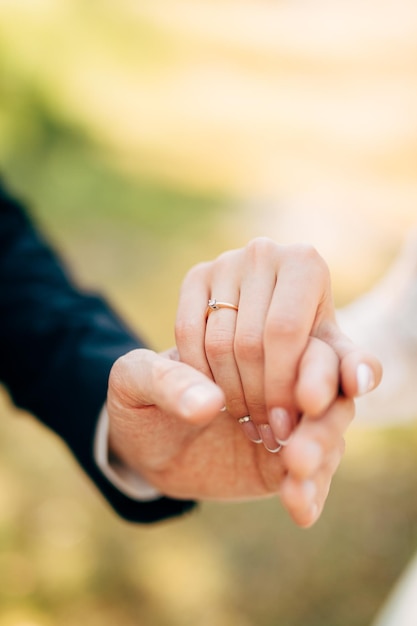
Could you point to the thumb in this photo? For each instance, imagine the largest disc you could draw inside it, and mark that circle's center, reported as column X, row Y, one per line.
column 144, row 378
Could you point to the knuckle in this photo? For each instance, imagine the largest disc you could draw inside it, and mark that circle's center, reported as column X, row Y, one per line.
column 257, row 407
column 307, row 254
column 186, row 329
column 236, row 405
column 249, row 346
column 285, row 326
column 219, row 345
column 260, row 246
column 227, row 257
column 121, row 379
column 124, row 363
column 163, row 370
column 197, row 270
column 226, row 262
column 197, row 274
column 305, row 251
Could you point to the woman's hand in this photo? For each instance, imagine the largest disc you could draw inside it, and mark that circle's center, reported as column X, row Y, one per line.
column 263, row 355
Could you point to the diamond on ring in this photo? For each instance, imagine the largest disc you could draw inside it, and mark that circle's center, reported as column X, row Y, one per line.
column 213, row 305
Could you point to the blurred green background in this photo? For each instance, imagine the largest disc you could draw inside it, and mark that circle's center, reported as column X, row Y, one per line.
column 148, row 136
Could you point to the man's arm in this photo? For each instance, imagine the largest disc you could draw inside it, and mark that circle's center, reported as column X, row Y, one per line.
column 57, row 346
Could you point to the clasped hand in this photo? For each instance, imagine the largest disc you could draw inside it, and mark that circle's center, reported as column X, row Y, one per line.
column 279, row 361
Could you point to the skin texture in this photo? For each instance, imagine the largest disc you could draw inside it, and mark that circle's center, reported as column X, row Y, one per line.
column 281, row 349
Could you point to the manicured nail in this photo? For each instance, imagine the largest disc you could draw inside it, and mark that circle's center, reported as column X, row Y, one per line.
column 194, row 399
column 281, row 425
column 250, row 429
column 364, row 378
column 268, row 438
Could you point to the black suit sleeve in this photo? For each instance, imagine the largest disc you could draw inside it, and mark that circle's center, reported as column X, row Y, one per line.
column 57, row 346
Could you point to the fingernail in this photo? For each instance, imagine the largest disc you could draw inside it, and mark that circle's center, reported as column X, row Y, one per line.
column 364, row 378
column 194, row 399
column 250, row 430
column 268, row 438
column 281, row 425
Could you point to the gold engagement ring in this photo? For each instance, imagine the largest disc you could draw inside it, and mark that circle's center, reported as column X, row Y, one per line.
column 213, row 305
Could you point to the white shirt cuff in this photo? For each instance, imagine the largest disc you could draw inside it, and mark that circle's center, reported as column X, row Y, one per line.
column 126, row 480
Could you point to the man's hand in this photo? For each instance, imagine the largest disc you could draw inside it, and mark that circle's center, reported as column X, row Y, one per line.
column 167, row 423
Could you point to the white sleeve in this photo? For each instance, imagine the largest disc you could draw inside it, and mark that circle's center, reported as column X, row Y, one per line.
column 125, row 479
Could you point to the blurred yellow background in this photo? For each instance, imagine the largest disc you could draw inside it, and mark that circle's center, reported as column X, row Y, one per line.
column 147, row 136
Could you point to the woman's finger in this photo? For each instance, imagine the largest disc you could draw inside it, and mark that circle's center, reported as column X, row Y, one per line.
column 299, row 299
column 190, row 324
column 314, row 439
column 219, row 348
column 221, row 327
column 305, row 499
column 360, row 370
column 317, row 385
column 258, row 284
